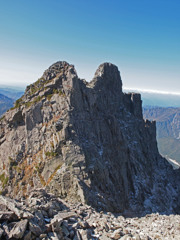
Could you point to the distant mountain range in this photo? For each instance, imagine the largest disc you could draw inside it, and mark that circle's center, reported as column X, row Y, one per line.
column 12, row 93
column 168, row 130
column 160, row 99
column 5, row 103
column 164, row 108
column 7, row 97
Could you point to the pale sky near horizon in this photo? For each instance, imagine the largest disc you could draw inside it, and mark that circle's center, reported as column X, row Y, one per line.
column 141, row 37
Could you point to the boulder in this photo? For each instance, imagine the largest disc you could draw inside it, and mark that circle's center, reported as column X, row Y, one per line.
column 34, row 227
column 19, row 229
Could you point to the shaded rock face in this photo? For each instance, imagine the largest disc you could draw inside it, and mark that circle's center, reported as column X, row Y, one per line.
column 85, row 142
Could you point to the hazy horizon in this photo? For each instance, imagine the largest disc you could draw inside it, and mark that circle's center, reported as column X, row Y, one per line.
column 125, row 89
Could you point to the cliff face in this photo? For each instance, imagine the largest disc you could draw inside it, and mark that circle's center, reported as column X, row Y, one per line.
column 85, row 142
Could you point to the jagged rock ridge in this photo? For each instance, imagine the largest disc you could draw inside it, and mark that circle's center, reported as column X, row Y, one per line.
column 85, row 142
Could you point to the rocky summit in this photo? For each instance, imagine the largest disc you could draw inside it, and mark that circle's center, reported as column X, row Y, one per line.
column 85, row 142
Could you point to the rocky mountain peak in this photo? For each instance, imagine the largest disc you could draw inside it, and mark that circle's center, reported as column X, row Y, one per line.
column 56, row 69
column 86, row 142
column 108, row 76
column 108, row 69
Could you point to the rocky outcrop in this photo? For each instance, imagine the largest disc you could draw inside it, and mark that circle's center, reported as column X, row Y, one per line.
column 85, row 142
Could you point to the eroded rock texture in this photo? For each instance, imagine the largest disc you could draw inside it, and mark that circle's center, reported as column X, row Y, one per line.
column 85, row 142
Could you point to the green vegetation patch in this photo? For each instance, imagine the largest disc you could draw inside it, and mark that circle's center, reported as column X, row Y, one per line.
column 12, row 162
column 37, row 86
column 58, row 91
column 51, row 154
column 36, row 100
column 4, row 179
column 18, row 103
column 34, row 88
column 55, row 91
column 49, row 96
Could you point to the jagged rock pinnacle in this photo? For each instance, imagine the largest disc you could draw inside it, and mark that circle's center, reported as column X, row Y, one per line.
column 56, row 68
column 86, row 142
column 107, row 75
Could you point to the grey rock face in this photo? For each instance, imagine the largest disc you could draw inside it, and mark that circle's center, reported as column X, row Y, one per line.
column 19, row 229
column 85, row 142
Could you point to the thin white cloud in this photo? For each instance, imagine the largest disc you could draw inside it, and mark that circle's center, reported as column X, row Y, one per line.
column 151, row 91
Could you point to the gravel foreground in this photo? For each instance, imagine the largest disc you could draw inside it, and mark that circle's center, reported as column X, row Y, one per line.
column 44, row 216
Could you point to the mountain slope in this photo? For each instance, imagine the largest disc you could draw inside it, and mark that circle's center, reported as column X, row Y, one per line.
column 168, row 129
column 86, row 142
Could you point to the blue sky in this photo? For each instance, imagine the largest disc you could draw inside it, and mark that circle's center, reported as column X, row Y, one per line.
column 141, row 37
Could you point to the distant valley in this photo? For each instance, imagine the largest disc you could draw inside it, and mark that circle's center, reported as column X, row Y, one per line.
column 168, row 129
column 12, row 92
column 5, row 103
column 164, row 108
column 7, row 98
